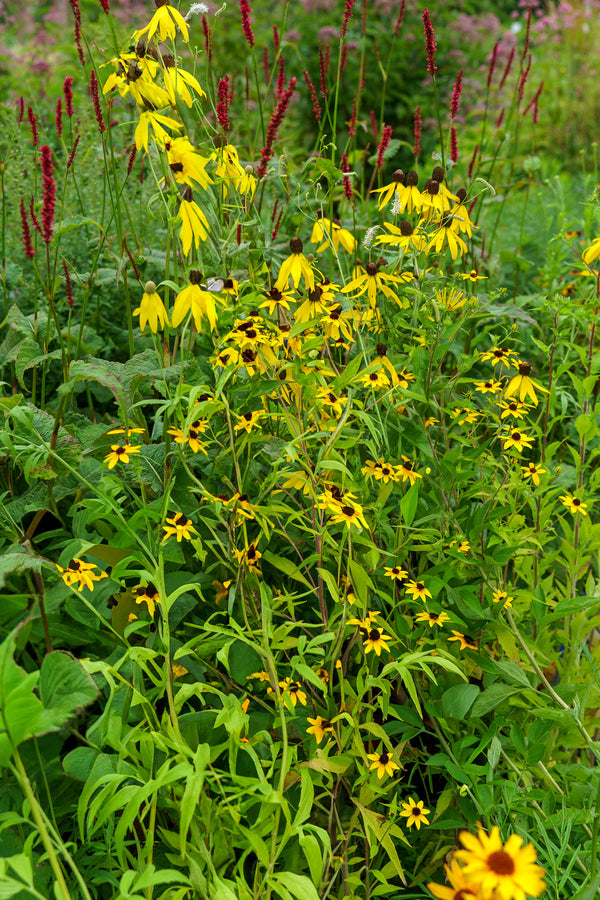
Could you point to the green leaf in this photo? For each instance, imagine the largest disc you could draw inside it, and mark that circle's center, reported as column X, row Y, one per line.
column 286, row 566
column 65, row 687
column 299, row 887
column 491, row 698
column 458, row 700
column 408, row 503
column 15, row 560
column 21, row 713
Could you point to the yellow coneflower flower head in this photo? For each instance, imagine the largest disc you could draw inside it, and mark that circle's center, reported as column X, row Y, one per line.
column 415, row 813
column 151, row 309
column 164, row 23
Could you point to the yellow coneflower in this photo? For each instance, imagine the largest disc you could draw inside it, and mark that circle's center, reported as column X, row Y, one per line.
column 179, row 526
column 433, row 618
column 506, row 871
column 465, row 641
column 533, row 471
column 148, row 594
column 319, row 727
column 574, row 504
column 151, row 309
column 296, row 267
column 516, row 440
column 417, row 590
column 119, row 453
column 406, row 470
column 523, row 385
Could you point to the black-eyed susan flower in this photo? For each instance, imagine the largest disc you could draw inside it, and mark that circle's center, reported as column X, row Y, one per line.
column 248, row 420
column 433, row 618
column 533, row 471
column 574, row 504
column 460, row 546
column 458, row 887
column 514, row 409
column 296, row 267
column 187, row 166
column 276, row 300
column 488, row 387
column 164, row 23
column 506, row 871
column 385, row 472
column 250, row 557
column 179, row 526
column 194, row 224
column 377, row 380
column 406, row 470
column 120, row 453
column 466, row 643
column 376, row 640
column 351, row 514
column 293, row 690
column 499, row 356
column 436, row 199
column 80, row 573
column 500, row 596
column 330, row 401
column 523, row 385
column 415, row 813
column 319, row 727
column 151, row 309
column 396, row 573
column 191, row 438
column 472, row 276
column 222, row 590
column 417, row 590
column 148, row 594
column 465, row 415
column 516, row 440
column 178, row 671
column 323, row 674
column 382, row 763
column 336, row 324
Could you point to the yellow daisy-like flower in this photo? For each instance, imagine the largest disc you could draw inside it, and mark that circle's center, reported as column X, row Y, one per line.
column 248, row 420
column 186, row 165
column 395, row 573
column 296, row 266
column 488, row 387
column 523, row 385
column 179, row 526
column 376, row 640
column 445, row 234
column 459, row 887
column 249, row 557
column 127, row 431
column 415, row 813
column 516, row 409
column 293, row 690
column 351, row 514
column 119, row 453
column 499, row 356
column 402, row 194
column 517, row 440
column 465, row 415
column 501, row 595
column 319, row 727
column 406, row 470
column 376, row 380
column 417, row 590
column 80, row 573
column 403, row 237
column 151, row 309
column 148, row 594
column 381, row 471
column 382, row 763
column 178, row 82
column 532, row 471
column 465, row 641
column 191, row 438
column 462, row 547
column 164, row 23
column 323, row 674
column 433, row 618
column 500, row 872
column 574, row 504
column 200, row 302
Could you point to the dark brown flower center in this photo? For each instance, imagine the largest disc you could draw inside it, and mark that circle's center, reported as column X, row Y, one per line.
column 181, row 520
column 406, row 229
column 384, row 759
column 374, row 634
column 176, row 167
column 249, row 356
column 516, row 435
column 412, row 179
column 348, row 510
column 408, row 466
column 398, row 176
column 371, row 269
column 524, row 369
column 501, row 863
column 296, row 245
column 576, row 502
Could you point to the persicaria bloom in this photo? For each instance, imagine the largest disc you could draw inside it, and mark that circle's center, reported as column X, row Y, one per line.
column 48, row 194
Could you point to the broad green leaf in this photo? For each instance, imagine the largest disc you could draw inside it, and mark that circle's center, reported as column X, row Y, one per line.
column 65, row 687
column 457, row 700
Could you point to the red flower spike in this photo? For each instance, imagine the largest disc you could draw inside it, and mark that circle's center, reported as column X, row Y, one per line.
column 453, row 145
column 35, row 136
column 59, row 117
column 245, row 10
column 68, row 95
column 72, row 153
column 430, row 44
column 95, row 95
column 48, row 194
column 348, row 7
column 26, row 231
column 383, row 145
column 313, row 96
column 456, row 95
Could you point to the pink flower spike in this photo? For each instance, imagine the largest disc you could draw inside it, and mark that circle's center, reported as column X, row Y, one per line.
column 348, row 7
column 245, row 10
column 383, row 144
column 48, row 194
